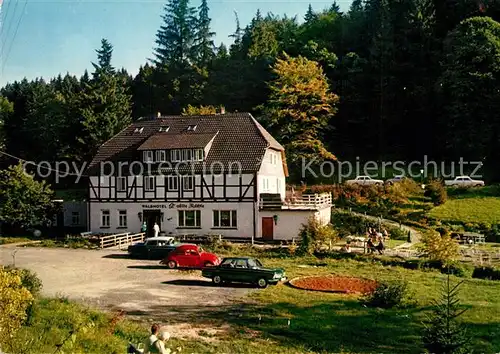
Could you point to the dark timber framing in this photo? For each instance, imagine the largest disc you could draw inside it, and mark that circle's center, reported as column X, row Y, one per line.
column 181, row 195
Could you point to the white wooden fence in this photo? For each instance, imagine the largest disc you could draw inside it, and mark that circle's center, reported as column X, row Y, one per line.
column 121, row 240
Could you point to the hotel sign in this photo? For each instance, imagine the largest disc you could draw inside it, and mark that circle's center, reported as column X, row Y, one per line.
column 173, row 206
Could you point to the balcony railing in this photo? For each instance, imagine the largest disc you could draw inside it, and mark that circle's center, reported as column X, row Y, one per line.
column 305, row 201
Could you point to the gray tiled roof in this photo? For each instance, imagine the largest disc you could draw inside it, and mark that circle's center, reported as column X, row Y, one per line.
column 239, row 140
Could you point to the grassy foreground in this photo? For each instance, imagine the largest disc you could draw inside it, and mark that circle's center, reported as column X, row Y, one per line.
column 319, row 322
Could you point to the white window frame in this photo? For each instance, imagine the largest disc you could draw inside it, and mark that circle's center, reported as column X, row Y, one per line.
column 149, row 186
column 185, row 153
column 217, row 219
column 122, row 218
column 186, row 184
column 173, row 183
column 123, row 185
column 75, row 214
column 175, row 155
column 181, row 214
column 265, row 183
column 161, row 156
column 199, row 154
column 105, row 218
column 147, row 156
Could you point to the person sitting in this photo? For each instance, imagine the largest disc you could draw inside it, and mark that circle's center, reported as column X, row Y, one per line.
column 148, row 345
column 370, row 246
column 159, row 345
column 346, row 248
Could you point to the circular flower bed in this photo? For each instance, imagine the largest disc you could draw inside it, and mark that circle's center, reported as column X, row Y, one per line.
column 335, row 284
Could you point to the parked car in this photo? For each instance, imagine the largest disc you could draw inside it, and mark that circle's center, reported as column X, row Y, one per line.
column 243, row 270
column 464, row 181
column 190, row 256
column 364, row 181
column 153, row 248
column 395, row 179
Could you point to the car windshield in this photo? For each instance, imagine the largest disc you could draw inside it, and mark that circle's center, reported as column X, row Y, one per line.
column 228, row 262
column 254, row 263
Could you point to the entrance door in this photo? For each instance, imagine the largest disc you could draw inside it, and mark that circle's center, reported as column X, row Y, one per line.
column 150, row 217
column 267, row 228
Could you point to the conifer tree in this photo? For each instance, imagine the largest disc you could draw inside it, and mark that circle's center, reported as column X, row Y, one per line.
column 105, row 106
column 310, row 15
column 104, row 54
column 176, row 36
column 204, row 44
column 443, row 334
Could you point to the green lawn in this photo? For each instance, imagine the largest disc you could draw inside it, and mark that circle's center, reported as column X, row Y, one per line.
column 479, row 210
column 319, row 322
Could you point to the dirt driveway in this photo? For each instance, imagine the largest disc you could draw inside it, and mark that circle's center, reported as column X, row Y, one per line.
column 142, row 289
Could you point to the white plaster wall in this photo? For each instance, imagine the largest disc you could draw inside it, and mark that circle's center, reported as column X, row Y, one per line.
column 290, row 221
column 244, row 216
column 272, row 171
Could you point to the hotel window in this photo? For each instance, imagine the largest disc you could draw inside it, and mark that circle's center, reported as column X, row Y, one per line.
column 173, row 183
column 147, row 156
column 199, row 155
column 187, row 155
column 189, row 218
column 225, row 218
column 161, row 156
column 175, row 155
column 187, row 183
column 265, row 184
column 121, row 184
column 75, row 218
column 149, row 183
column 105, row 218
column 122, row 218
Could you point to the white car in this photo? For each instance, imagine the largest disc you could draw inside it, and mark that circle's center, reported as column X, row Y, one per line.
column 365, row 181
column 464, row 181
column 395, row 179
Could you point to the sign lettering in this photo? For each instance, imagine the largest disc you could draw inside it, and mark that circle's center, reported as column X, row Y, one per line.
column 173, row 206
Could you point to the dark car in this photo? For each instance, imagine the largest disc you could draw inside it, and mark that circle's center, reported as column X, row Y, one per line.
column 153, row 248
column 243, row 270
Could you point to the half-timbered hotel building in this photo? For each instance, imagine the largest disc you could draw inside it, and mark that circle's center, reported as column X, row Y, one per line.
column 195, row 175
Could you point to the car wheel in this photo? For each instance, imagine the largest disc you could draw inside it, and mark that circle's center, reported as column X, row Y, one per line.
column 217, row 280
column 171, row 264
column 262, row 283
column 209, row 264
column 478, row 185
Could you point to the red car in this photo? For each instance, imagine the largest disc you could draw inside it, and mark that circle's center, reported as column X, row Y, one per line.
column 190, row 256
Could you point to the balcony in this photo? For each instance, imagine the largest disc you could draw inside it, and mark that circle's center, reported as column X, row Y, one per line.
column 302, row 202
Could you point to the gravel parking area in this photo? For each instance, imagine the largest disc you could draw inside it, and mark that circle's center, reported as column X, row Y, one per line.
column 143, row 289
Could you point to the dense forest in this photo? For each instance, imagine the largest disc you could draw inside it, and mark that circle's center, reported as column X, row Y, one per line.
column 389, row 79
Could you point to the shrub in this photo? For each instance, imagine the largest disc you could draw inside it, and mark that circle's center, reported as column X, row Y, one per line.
column 439, row 247
column 387, row 294
column 436, row 192
column 15, row 300
column 442, row 332
column 29, row 279
column 313, row 235
column 490, row 273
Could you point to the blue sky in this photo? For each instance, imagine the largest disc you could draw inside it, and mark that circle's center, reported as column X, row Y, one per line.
column 59, row 36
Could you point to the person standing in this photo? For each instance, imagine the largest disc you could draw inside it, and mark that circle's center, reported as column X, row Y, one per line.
column 156, row 229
